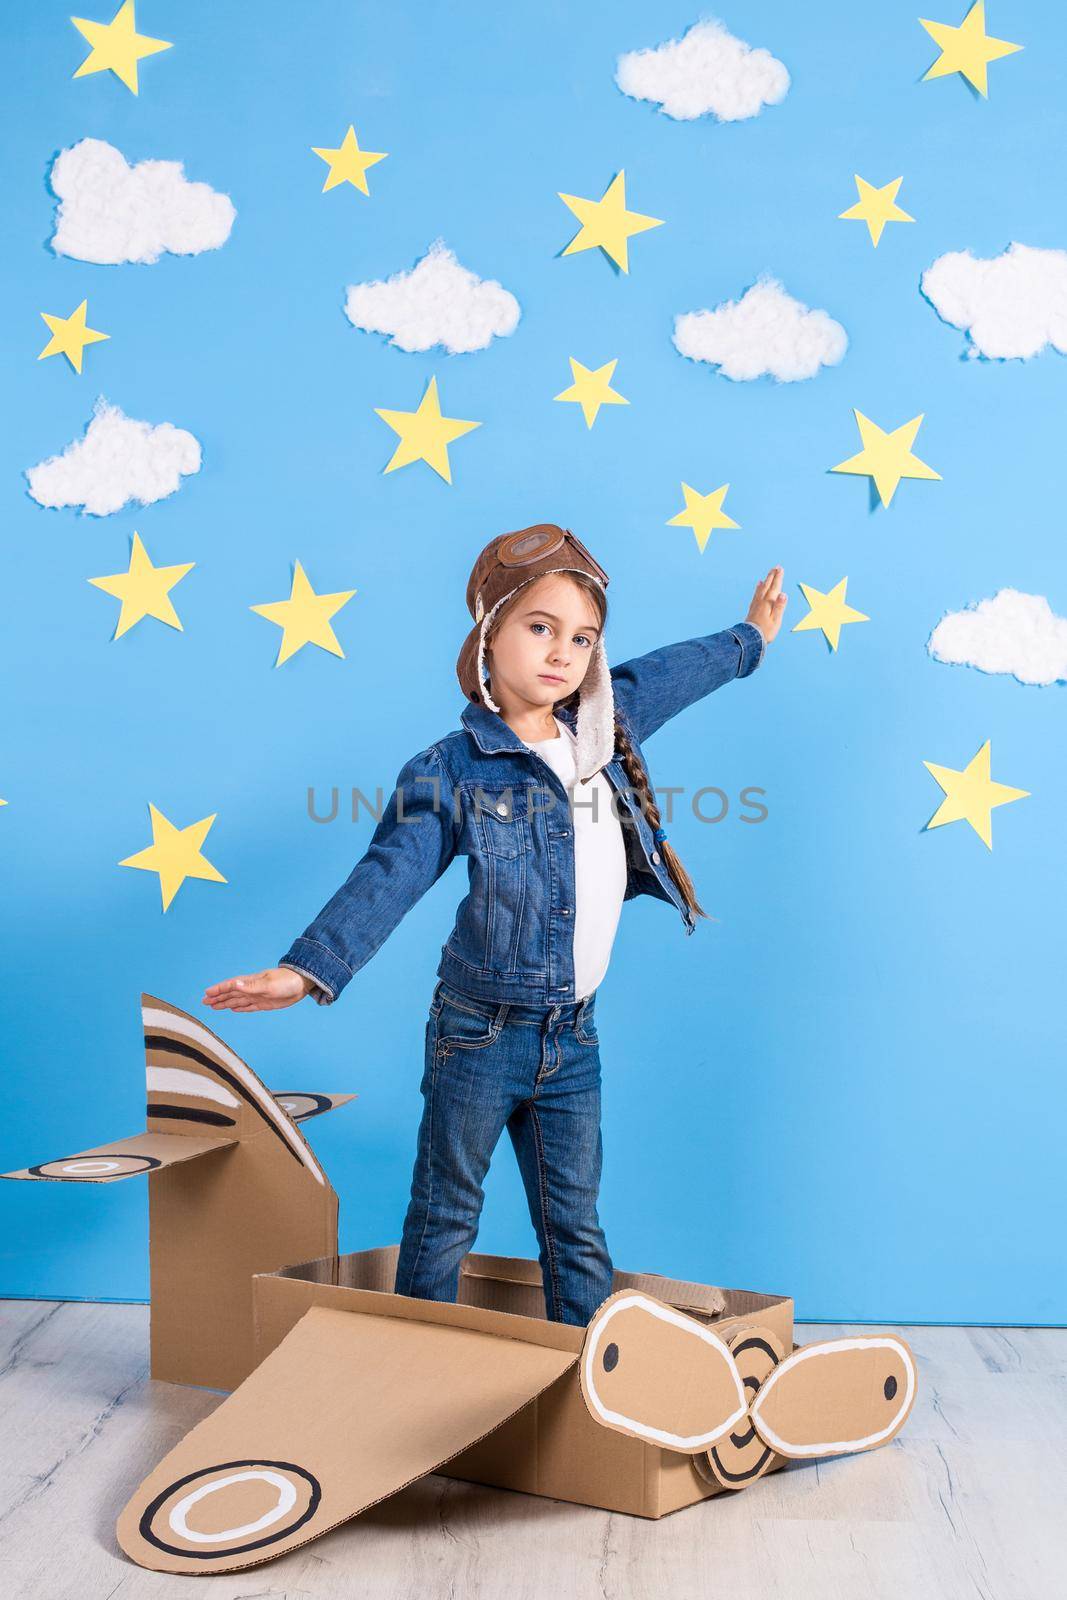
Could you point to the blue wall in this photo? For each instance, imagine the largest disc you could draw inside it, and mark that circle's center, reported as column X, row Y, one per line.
column 850, row 1088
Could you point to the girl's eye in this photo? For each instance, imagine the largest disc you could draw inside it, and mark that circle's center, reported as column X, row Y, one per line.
column 582, row 636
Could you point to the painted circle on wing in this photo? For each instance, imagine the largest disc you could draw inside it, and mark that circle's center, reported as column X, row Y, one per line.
column 231, row 1508
column 100, row 1165
column 302, row 1103
column 742, row 1457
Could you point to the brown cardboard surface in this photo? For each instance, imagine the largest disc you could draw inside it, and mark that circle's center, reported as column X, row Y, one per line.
column 304, row 1103
column 210, row 1230
column 347, row 1410
column 742, row 1456
column 652, row 1372
column 280, row 1301
column 553, row 1446
column 837, row 1396
column 263, row 1201
column 649, row 1370
column 122, row 1158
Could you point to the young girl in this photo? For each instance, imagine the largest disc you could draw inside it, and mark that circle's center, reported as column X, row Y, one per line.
column 545, row 791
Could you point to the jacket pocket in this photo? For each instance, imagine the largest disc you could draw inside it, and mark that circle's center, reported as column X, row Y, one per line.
column 502, row 821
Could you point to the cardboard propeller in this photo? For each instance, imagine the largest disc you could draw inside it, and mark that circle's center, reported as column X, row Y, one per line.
column 652, row 1372
column 261, row 1201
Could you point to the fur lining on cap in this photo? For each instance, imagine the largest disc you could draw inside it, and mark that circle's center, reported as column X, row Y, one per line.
column 596, row 700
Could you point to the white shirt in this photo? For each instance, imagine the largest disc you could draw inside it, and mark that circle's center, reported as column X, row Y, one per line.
column 599, row 859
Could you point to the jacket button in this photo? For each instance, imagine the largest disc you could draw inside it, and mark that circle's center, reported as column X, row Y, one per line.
column 564, row 911
column 655, row 858
column 501, row 810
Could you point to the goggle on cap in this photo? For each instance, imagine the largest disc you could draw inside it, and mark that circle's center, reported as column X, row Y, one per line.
column 507, row 564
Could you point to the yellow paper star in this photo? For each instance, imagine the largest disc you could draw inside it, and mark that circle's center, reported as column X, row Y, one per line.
column 305, row 617
column 875, row 207
column 117, row 46
column 143, row 589
column 175, row 854
column 348, row 163
column 425, row 434
column 592, row 389
column 70, row 336
column 886, row 457
column 970, row 795
column 702, row 513
column 828, row 612
column 606, row 222
column 967, row 49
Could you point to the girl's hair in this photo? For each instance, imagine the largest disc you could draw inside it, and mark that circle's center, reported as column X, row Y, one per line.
column 635, row 772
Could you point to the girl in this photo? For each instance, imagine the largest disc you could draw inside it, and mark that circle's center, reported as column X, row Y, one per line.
column 545, row 791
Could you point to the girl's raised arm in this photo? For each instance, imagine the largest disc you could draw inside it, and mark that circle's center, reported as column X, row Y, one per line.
column 652, row 688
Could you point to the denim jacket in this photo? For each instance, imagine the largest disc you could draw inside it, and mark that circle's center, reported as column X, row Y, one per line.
column 480, row 792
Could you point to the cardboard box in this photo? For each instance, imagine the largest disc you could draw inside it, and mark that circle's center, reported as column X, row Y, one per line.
column 553, row 1446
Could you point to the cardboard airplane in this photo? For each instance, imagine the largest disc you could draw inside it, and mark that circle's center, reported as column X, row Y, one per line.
column 345, row 1392
column 354, row 1404
column 259, row 1200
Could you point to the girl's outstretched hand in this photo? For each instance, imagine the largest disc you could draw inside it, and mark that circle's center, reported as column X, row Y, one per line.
column 768, row 604
column 268, row 990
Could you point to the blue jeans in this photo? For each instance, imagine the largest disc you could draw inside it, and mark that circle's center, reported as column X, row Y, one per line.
column 535, row 1070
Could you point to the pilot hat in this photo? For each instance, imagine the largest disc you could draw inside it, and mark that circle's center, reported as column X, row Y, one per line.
column 507, row 564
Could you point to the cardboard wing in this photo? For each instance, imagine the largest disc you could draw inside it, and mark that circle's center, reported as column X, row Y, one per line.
column 263, row 1201
column 652, row 1372
column 123, row 1158
column 348, row 1409
column 303, row 1103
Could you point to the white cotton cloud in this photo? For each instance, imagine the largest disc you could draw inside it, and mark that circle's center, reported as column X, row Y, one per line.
column 111, row 212
column 439, row 302
column 1013, row 304
column 1013, row 632
column 706, row 70
column 766, row 331
column 118, row 460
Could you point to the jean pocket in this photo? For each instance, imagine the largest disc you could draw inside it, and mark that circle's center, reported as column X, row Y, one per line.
column 585, row 1026
column 464, row 1028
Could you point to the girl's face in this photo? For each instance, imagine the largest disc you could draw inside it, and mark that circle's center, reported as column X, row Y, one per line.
column 542, row 649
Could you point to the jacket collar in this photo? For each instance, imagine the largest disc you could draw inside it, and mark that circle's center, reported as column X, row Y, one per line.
column 491, row 733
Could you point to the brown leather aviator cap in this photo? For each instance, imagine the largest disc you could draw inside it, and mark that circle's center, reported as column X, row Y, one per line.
column 507, row 563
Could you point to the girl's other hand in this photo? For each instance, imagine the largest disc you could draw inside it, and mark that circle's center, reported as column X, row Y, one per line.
column 768, row 604
column 268, row 990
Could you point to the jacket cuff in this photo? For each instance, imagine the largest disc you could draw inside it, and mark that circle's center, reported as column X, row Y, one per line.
column 752, row 643
column 317, row 992
column 315, row 961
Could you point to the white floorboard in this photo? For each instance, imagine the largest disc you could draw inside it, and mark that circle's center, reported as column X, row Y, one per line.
column 969, row 1502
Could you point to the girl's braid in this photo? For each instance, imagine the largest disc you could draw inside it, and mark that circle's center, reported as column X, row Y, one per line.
column 638, row 780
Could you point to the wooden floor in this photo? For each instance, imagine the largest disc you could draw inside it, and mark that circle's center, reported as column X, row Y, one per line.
column 969, row 1501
